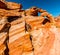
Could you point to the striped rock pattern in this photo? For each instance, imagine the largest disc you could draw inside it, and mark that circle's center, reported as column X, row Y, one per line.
column 17, row 35
column 23, row 32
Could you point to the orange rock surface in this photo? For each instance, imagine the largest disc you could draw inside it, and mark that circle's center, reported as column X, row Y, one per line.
column 23, row 32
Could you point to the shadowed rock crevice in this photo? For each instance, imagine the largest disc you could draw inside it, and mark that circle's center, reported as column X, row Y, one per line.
column 6, row 52
column 45, row 21
column 12, row 18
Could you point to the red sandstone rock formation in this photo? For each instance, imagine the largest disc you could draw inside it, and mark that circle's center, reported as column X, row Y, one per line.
column 23, row 32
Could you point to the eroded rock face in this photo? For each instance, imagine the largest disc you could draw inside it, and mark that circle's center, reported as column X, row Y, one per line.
column 12, row 5
column 57, row 20
column 3, row 5
column 23, row 32
column 32, row 11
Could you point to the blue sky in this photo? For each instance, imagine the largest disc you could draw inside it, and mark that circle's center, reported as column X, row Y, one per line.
column 52, row 6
